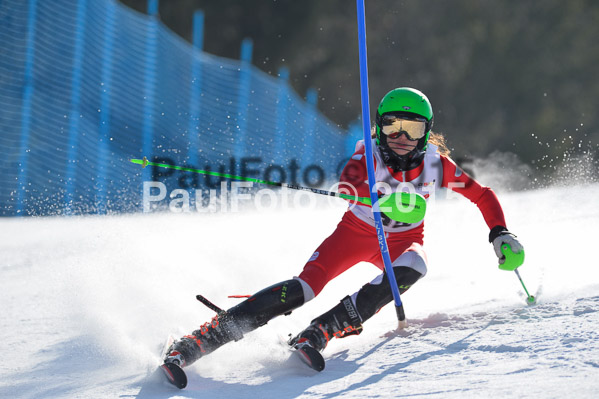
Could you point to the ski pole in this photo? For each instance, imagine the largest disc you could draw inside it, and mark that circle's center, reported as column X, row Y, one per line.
column 403, row 207
column 513, row 260
column 401, row 317
column 531, row 300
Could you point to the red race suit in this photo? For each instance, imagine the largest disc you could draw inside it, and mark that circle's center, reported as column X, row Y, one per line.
column 354, row 240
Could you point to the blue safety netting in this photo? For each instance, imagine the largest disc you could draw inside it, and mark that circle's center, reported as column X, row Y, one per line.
column 87, row 85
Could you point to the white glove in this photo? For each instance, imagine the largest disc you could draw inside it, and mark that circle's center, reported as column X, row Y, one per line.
column 506, row 237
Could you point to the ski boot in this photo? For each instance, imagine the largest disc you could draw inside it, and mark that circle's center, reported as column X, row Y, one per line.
column 308, row 345
column 212, row 335
column 341, row 321
column 231, row 325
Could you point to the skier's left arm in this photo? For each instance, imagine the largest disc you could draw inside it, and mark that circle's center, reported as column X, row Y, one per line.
column 455, row 179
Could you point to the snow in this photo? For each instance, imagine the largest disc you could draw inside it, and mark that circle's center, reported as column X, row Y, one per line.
column 87, row 302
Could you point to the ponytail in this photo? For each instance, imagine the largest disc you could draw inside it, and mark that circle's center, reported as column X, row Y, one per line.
column 439, row 140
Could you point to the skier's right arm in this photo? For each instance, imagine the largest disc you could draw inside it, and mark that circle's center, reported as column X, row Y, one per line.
column 354, row 177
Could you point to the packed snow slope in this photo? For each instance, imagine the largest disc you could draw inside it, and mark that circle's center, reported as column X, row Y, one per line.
column 87, row 302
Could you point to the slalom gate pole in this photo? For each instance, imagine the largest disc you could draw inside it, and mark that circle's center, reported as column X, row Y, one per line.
column 401, row 317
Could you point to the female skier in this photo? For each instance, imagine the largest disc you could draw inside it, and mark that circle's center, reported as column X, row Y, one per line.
column 405, row 152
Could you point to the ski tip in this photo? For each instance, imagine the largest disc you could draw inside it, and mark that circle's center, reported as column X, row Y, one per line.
column 311, row 357
column 174, row 374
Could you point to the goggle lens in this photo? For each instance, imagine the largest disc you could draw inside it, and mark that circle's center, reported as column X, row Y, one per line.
column 394, row 127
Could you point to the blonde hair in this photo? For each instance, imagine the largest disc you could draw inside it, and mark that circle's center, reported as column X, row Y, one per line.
column 437, row 139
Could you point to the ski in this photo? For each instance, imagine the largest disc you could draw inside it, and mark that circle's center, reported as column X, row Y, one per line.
column 310, row 356
column 173, row 373
column 305, row 352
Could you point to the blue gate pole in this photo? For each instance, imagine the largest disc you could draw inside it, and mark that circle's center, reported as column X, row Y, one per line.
column 22, row 177
column 370, row 164
column 105, row 114
column 74, row 116
column 243, row 97
column 195, row 108
column 149, row 86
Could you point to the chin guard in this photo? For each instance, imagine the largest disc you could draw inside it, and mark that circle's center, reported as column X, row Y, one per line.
column 400, row 163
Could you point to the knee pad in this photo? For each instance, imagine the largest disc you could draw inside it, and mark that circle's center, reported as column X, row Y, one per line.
column 414, row 259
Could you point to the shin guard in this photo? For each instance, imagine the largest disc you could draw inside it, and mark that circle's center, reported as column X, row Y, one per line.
column 273, row 301
column 376, row 294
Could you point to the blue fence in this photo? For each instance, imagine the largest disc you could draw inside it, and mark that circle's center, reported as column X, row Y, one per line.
column 86, row 85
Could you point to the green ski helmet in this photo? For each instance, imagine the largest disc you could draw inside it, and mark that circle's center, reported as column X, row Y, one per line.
column 405, row 103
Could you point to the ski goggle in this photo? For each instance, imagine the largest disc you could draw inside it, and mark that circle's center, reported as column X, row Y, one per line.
column 394, row 126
